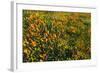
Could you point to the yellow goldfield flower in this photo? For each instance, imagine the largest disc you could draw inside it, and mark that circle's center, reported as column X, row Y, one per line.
column 42, row 56
column 31, row 16
column 45, row 40
column 26, row 50
column 73, row 29
column 55, row 35
column 41, row 60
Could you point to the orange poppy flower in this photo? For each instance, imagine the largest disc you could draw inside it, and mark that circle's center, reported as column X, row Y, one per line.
column 33, row 43
column 41, row 21
column 32, row 26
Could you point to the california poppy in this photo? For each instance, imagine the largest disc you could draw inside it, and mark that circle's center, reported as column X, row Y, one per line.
column 33, row 43
column 32, row 26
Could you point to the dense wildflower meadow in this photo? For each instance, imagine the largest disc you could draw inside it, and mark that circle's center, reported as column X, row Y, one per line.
column 56, row 36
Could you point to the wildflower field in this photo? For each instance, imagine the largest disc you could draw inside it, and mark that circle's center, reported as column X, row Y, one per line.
column 56, row 36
